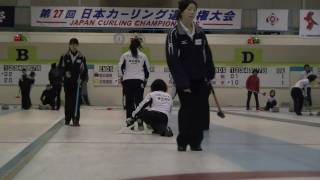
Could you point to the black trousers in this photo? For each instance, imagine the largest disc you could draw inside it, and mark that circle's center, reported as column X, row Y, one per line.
column 133, row 91
column 255, row 97
column 25, row 98
column 157, row 120
column 85, row 100
column 49, row 101
column 309, row 96
column 297, row 96
column 70, row 90
column 57, row 88
column 192, row 114
column 270, row 105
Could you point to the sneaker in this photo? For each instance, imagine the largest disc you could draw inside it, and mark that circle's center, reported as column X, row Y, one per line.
column 67, row 122
column 149, row 126
column 196, row 148
column 168, row 132
column 76, row 124
column 155, row 132
column 182, row 148
column 130, row 122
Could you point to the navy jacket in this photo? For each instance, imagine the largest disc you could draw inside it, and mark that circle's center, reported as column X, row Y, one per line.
column 72, row 67
column 188, row 59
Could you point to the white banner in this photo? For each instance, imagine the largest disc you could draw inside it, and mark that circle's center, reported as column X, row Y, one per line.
column 273, row 19
column 226, row 76
column 105, row 75
column 219, row 18
column 96, row 17
column 236, row 76
column 11, row 73
column 309, row 23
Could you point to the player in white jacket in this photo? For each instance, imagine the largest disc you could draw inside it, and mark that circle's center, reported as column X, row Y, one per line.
column 134, row 72
column 157, row 115
column 307, row 91
column 297, row 92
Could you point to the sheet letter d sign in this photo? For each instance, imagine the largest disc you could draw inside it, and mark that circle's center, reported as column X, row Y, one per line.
column 247, row 57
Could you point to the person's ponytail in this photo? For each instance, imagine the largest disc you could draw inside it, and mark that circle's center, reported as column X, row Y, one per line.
column 134, row 45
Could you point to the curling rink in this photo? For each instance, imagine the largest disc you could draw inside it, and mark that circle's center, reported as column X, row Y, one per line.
column 36, row 145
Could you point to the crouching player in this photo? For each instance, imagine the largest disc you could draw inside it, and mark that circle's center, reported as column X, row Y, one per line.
column 156, row 116
column 48, row 97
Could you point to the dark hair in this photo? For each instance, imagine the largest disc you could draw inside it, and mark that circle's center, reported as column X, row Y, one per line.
column 159, row 85
column 312, row 77
column 272, row 91
column 182, row 5
column 73, row 41
column 255, row 70
column 24, row 70
column 53, row 65
column 32, row 73
column 134, row 45
column 307, row 68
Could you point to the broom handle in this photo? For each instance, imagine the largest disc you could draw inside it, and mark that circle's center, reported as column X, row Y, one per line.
column 77, row 97
column 215, row 98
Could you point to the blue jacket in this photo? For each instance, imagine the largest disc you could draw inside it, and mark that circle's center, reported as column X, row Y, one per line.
column 188, row 59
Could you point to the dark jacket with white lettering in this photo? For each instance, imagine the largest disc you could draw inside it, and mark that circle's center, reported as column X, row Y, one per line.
column 72, row 67
column 188, row 59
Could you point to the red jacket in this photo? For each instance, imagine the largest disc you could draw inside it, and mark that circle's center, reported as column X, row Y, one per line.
column 253, row 83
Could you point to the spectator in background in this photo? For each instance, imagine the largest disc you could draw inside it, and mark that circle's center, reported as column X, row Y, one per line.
column 55, row 79
column 48, row 97
column 84, row 91
column 271, row 102
column 25, row 84
column 253, row 86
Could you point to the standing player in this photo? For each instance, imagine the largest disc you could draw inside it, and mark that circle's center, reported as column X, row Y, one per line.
column 55, row 79
column 134, row 73
column 190, row 62
column 253, row 86
column 25, row 84
column 74, row 70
